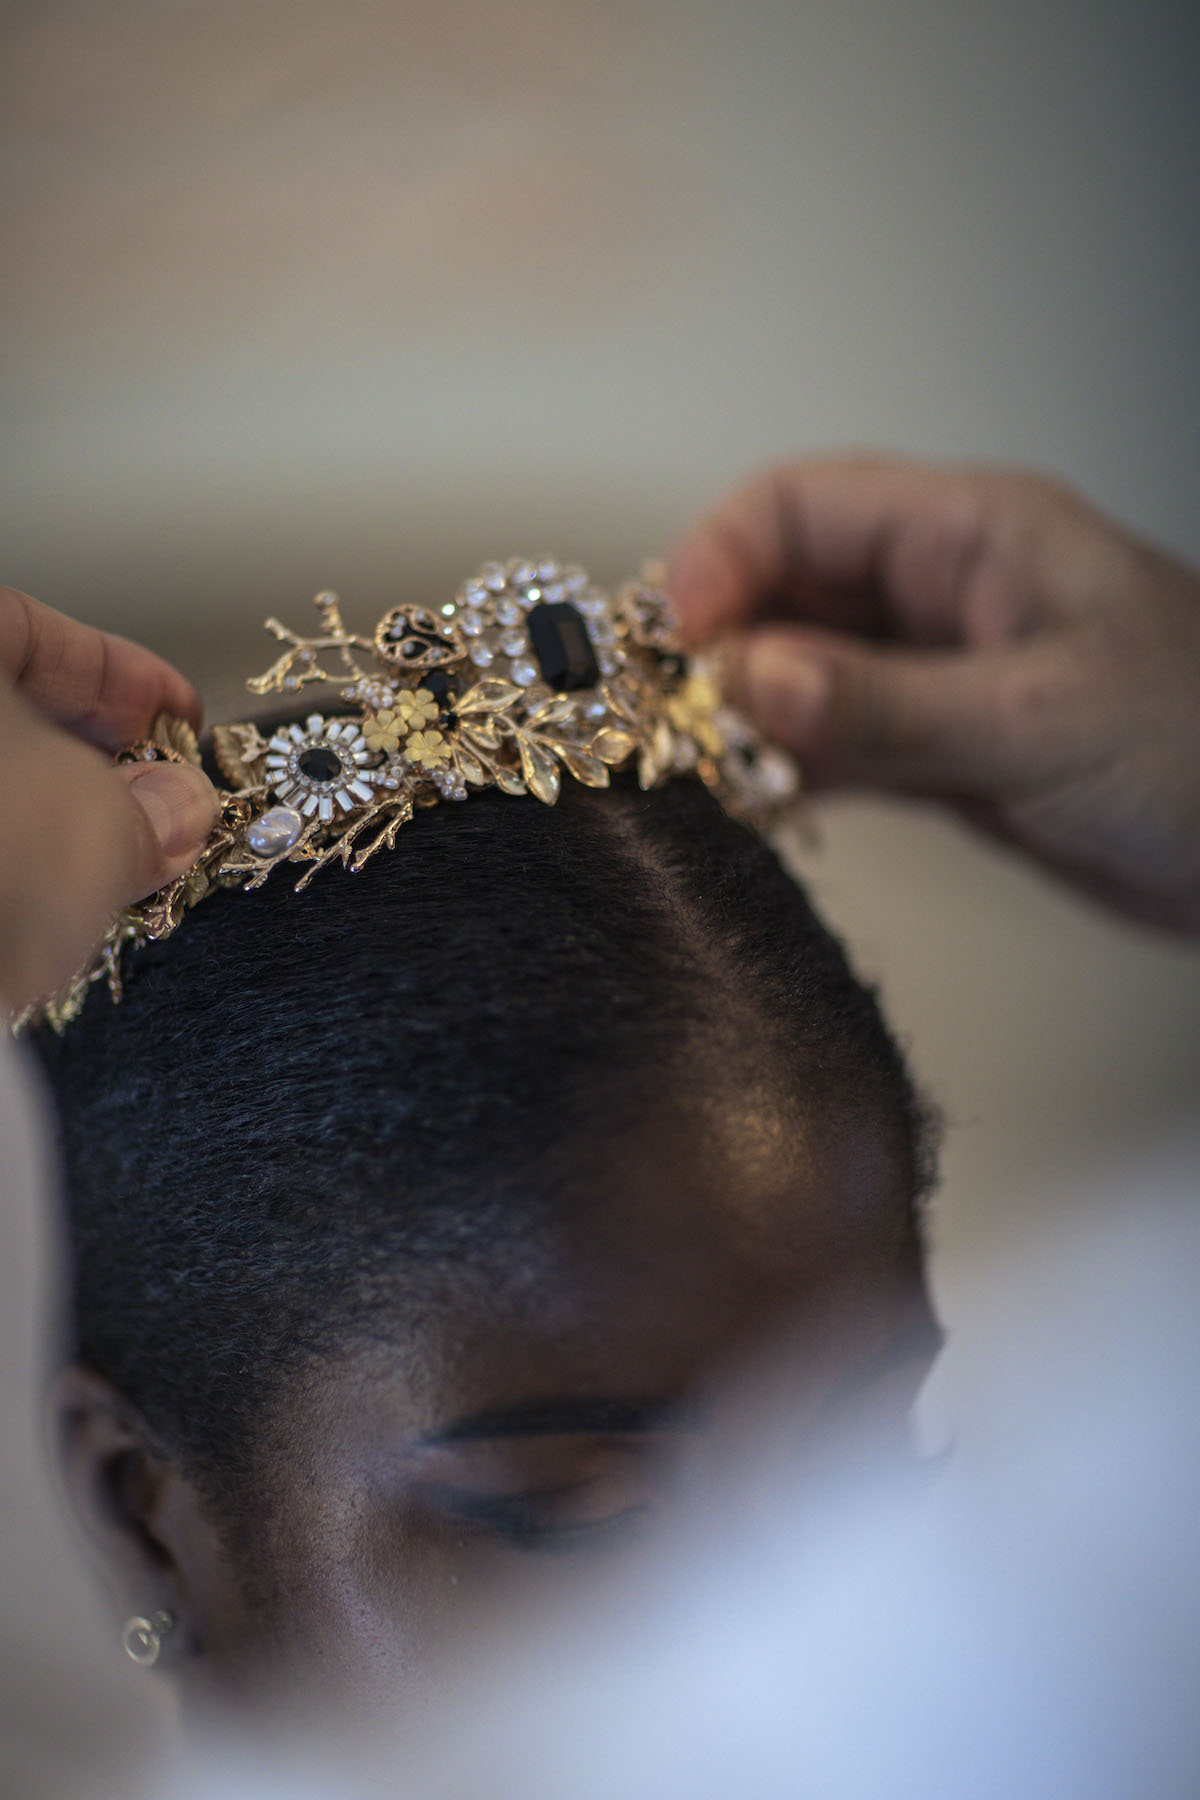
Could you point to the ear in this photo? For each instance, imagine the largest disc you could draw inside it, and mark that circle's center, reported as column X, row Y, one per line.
column 143, row 1521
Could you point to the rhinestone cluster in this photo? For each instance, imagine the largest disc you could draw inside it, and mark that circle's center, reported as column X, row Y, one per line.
column 320, row 765
column 492, row 612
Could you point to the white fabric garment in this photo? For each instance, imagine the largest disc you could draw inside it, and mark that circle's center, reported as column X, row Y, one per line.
column 73, row 1716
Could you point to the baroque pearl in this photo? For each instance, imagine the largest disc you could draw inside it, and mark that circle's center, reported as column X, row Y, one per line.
column 275, row 831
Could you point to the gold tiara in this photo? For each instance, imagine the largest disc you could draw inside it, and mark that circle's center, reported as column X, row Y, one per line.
column 528, row 672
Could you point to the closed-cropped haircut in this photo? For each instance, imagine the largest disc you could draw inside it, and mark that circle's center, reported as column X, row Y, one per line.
column 303, row 1098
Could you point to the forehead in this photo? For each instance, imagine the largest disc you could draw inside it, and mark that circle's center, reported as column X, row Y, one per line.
column 778, row 1183
column 666, row 1249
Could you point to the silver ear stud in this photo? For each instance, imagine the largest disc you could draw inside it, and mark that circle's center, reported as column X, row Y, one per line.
column 142, row 1639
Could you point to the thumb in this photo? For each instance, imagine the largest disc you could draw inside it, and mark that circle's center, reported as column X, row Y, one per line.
column 175, row 808
column 934, row 721
column 85, row 838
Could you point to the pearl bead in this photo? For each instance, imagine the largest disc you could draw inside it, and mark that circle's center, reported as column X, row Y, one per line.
column 275, row 831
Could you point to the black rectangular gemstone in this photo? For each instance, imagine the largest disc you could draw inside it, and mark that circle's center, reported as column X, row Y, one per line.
column 562, row 646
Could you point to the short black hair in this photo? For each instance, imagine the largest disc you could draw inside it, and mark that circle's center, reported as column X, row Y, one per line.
column 299, row 1093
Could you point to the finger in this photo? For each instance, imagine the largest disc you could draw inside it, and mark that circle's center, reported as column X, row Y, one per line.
column 935, row 722
column 83, row 838
column 98, row 686
column 174, row 810
column 879, row 547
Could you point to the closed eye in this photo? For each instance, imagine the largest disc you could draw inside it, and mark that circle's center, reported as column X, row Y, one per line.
column 558, row 1518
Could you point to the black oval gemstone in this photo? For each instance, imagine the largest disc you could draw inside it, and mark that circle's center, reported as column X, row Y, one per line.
column 319, row 764
column 562, row 646
column 438, row 683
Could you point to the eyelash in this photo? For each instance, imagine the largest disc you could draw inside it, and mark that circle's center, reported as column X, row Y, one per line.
column 521, row 1521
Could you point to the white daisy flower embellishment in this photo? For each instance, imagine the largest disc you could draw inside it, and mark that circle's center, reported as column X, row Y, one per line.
column 320, row 765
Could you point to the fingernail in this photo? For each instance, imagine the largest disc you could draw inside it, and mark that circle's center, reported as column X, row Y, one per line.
column 179, row 802
column 781, row 689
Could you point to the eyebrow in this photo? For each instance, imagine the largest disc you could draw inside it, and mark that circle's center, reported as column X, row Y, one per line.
column 574, row 1415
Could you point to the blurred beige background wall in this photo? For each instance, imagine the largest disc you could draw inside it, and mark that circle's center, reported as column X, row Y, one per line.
column 356, row 294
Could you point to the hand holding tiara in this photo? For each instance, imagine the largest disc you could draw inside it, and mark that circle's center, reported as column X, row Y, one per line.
column 80, row 836
column 530, row 672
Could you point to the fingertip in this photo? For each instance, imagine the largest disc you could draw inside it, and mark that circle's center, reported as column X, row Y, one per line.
column 703, row 586
column 187, row 703
column 781, row 687
column 179, row 805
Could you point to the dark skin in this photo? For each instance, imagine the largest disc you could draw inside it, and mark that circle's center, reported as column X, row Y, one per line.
column 537, row 1424
column 1053, row 701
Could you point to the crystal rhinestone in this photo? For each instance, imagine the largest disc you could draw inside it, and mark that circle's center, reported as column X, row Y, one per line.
column 471, row 624
column 316, row 763
column 574, row 579
column 553, row 591
column 508, row 612
column 275, row 831
column 547, row 568
column 594, row 604
column 560, row 643
column 524, row 673
column 775, row 774
column 512, row 643
column 521, row 573
column 601, row 630
column 481, row 655
column 475, row 594
column 608, row 663
column 493, row 577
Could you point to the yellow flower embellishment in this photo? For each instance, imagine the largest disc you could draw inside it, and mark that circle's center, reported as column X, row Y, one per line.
column 416, row 709
column 691, row 712
column 427, row 749
column 384, row 731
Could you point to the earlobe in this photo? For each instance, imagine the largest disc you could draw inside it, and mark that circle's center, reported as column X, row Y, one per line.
column 124, row 1493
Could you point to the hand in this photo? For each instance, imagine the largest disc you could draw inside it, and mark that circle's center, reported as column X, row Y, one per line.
column 81, row 836
column 983, row 638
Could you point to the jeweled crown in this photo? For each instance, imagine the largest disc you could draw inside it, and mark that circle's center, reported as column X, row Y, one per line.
column 528, row 672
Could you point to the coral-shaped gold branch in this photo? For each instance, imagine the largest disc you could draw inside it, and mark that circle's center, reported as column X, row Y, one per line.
column 300, row 665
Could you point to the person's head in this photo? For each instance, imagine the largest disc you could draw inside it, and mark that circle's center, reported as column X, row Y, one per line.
column 416, row 1216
